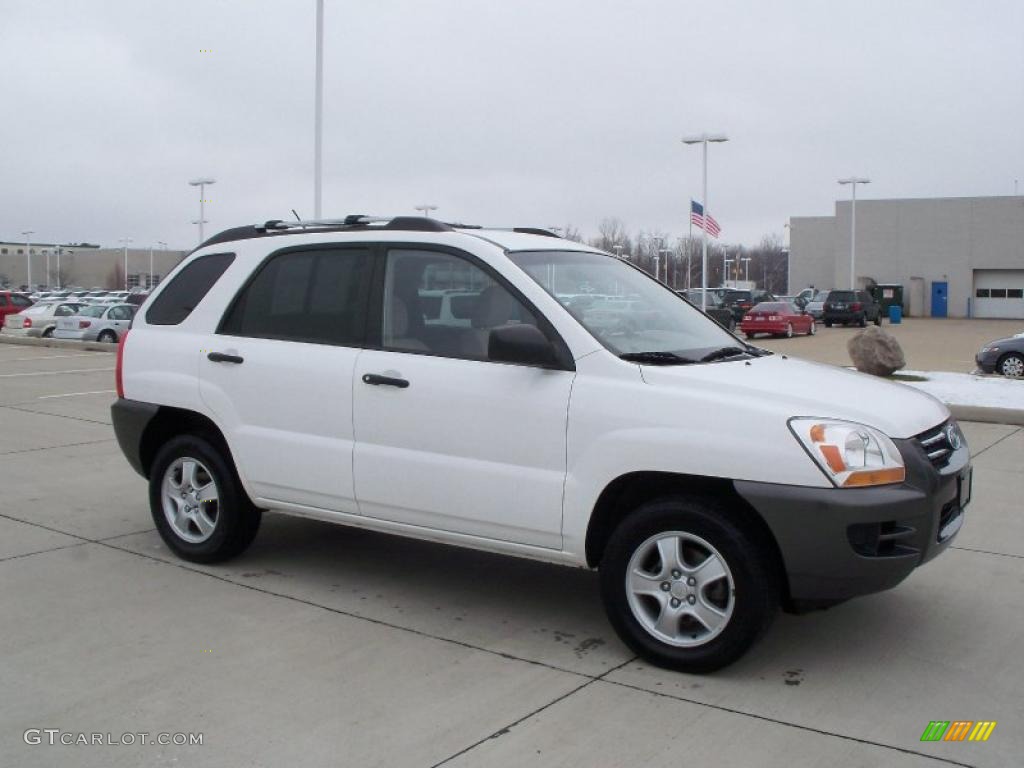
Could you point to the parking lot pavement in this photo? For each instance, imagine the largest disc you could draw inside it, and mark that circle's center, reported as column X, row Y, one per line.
column 331, row 646
column 929, row 344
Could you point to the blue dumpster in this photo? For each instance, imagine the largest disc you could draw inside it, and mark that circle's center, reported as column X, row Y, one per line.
column 895, row 314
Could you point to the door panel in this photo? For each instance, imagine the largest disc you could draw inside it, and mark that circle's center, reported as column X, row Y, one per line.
column 287, row 410
column 939, row 298
column 469, row 446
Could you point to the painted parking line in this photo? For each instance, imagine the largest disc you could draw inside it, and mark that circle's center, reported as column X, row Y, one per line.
column 76, row 394
column 53, row 373
column 44, row 357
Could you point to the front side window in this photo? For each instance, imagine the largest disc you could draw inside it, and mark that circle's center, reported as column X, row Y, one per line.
column 440, row 304
column 317, row 296
column 629, row 312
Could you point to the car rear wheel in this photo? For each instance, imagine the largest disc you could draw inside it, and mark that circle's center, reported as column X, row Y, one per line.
column 828, row 323
column 863, row 322
column 750, row 335
column 685, row 587
column 813, row 329
column 48, row 333
column 197, row 501
column 1011, row 365
column 107, row 337
column 878, row 319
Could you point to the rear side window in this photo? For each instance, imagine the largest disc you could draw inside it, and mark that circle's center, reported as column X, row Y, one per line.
column 318, row 296
column 187, row 288
column 20, row 301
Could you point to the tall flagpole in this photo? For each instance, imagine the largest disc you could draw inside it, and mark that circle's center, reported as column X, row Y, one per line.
column 689, row 247
column 703, row 140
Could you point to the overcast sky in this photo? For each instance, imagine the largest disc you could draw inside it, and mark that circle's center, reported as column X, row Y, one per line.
column 524, row 112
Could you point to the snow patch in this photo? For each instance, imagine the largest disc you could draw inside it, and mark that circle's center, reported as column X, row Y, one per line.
column 969, row 389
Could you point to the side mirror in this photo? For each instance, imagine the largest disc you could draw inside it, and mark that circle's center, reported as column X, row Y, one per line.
column 523, row 344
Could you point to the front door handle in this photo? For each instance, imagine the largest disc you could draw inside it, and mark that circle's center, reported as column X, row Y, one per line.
column 221, row 357
column 386, row 381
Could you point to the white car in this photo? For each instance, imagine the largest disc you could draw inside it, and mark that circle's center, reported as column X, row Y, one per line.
column 40, row 319
column 291, row 366
column 97, row 322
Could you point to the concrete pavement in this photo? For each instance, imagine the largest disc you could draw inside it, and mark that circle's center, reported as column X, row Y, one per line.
column 331, row 646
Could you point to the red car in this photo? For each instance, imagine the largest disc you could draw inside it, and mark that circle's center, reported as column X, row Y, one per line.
column 12, row 303
column 778, row 318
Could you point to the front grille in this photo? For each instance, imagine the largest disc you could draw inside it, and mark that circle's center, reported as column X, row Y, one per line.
column 936, row 445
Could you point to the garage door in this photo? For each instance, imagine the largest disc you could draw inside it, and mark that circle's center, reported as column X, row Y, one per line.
column 999, row 293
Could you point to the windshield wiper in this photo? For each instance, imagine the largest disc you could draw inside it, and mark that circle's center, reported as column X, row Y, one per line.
column 657, row 358
column 724, row 352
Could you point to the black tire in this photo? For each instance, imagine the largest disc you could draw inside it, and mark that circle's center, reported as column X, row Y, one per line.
column 750, row 335
column 48, row 333
column 755, row 595
column 107, row 337
column 863, row 322
column 828, row 323
column 237, row 518
column 878, row 319
column 1009, row 364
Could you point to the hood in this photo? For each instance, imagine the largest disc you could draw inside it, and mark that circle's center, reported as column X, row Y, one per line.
column 780, row 387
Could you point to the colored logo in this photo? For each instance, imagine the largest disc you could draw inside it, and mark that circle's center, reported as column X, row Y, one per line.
column 958, row 730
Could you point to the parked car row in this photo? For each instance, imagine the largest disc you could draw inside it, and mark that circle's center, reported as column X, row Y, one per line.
column 105, row 321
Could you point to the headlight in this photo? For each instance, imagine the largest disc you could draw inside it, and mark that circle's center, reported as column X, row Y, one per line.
column 990, row 349
column 852, row 455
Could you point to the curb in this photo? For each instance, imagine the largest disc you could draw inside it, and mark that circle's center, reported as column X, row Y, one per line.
column 1012, row 416
column 31, row 341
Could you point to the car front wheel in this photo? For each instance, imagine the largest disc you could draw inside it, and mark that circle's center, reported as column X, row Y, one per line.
column 197, row 501
column 813, row 329
column 789, row 330
column 685, row 587
column 1012, row 366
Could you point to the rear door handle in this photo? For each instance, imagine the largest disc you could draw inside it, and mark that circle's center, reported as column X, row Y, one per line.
column 221, row 357
column 385, row 381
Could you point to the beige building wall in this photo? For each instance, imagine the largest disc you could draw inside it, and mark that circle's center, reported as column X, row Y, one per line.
column 89, row 267
column 914, row 242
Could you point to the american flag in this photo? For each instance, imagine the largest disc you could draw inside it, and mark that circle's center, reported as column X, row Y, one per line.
column 697, row 217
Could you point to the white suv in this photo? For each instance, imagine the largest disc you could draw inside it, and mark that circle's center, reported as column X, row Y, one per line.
column 303, row 367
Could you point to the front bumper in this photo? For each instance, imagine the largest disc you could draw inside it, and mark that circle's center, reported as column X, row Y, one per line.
column 986, row 361
column 837, row 543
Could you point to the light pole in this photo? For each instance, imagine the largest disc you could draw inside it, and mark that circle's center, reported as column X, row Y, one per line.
column 161, row 243
column 318, row 115
column 786, row 235
column 125, row 240
column 46, row 253
column 28, row 254
column 703, row 140
column 666, row 252
column 746, row 268
column 853, row 181
column 425, row 209
column 725, row 269
column 202, row 183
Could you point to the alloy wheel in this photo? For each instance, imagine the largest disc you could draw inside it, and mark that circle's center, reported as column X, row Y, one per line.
column 190, row 500
column 1012, row 366
column 680, row 589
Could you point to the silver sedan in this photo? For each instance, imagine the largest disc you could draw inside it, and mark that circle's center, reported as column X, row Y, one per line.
column 97, row 323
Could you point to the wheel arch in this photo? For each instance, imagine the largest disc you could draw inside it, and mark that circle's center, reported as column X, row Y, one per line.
column 169, row 422
column 625, row 493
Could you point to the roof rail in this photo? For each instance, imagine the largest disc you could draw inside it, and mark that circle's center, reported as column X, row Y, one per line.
column 353, row 222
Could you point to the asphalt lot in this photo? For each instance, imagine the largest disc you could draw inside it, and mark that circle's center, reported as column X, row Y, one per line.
column 331, row 646
column 929, row 344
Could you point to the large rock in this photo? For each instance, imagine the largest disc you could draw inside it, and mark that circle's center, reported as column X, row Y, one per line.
column 875, row 351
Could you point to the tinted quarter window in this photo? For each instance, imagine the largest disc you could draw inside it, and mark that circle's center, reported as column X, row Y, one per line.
column 317, row 296
column 187, row 288
column 20, row 301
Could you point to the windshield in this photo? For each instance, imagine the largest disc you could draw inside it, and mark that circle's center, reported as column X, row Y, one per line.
column 630, row 312
column 821, row 296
